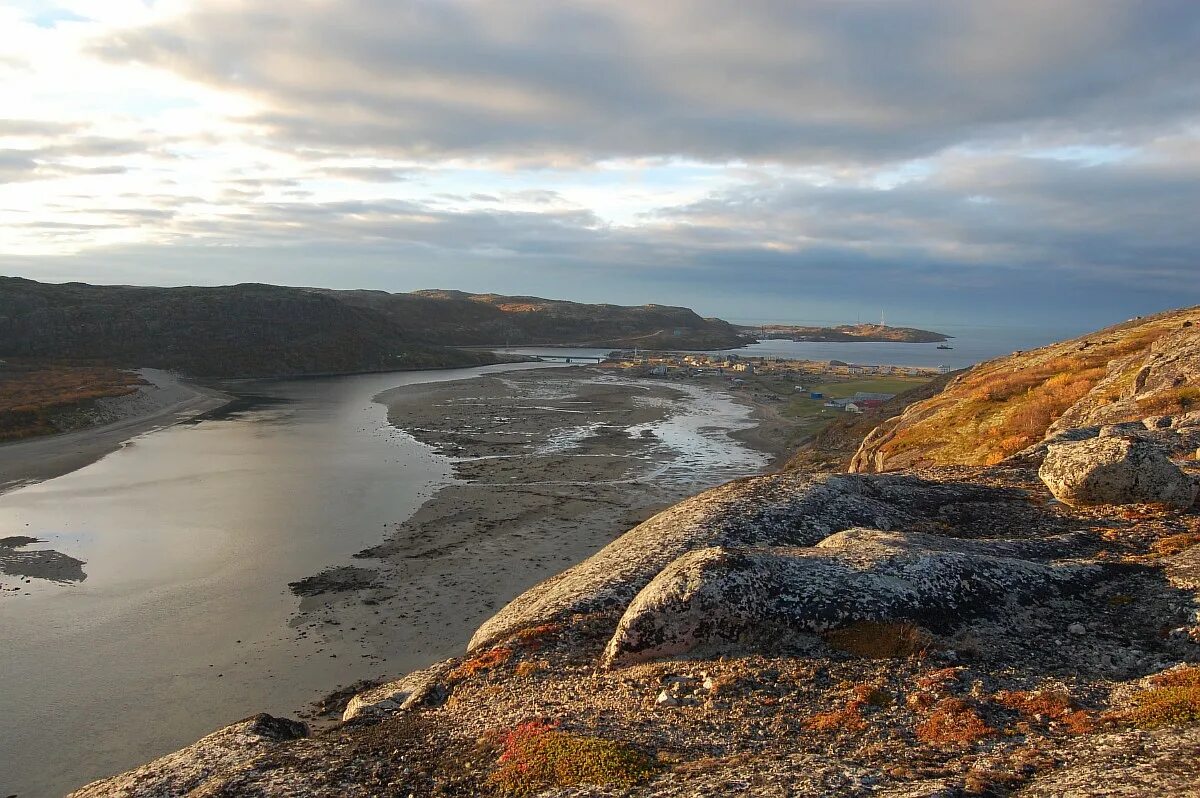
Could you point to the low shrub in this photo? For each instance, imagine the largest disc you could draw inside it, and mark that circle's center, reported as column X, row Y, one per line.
column 492, row 658
column 536, row 756
column 533, row 637
column 1055, row 705
column 879, row 640
column 850, row 717
column 953, row 722
column 1173, row 699
column 1174, row 544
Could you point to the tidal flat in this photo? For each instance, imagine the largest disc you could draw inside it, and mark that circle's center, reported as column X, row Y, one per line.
column 400, row 526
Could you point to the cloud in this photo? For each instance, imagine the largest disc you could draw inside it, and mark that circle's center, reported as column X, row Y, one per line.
column 763, row 80
column 992, row 157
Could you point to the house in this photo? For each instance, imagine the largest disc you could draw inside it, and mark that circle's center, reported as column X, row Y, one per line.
column 866, row 395
column 851, row 407
column 745, row 368
column 658, row 371
column 816, row 395
column 868, row 404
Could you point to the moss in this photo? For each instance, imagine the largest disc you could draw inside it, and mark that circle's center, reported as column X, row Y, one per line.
column 534, row 637
column 536, row 757
column 876, row 640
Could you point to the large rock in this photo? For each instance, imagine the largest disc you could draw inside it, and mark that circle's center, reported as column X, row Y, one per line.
column 787, row 509
column 1115, row 470
column 723, row 595
column 190, row 770
column 417, row 688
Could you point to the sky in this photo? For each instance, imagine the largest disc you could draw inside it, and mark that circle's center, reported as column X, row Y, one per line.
column 1023, row 162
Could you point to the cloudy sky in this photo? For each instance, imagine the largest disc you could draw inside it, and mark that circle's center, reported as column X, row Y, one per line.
column 1027, row 161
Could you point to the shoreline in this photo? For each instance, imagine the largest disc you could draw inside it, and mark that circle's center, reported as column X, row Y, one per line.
column 547, row 468
column 43, row 458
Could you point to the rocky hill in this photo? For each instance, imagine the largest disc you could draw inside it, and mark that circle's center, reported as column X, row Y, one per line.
column 230, row 331
column 264, row 330
column 1144, row 367
column 462, row 319
column 1028, row 629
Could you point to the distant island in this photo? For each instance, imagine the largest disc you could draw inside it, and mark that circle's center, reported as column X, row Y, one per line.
column 848, row 333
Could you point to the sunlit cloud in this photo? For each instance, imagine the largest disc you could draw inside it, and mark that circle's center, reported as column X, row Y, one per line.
column 735, row 155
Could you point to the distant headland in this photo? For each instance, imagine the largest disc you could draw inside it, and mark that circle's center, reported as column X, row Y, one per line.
column 849, row 333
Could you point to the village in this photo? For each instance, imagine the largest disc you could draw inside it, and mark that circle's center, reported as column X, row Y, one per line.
column 806, row 394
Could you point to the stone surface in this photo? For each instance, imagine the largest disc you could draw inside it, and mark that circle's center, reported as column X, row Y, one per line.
column 785, row 509
column 1115, row 470
column 731, row 595
column 1131, row 763
column 403, row 694
column 188, row 770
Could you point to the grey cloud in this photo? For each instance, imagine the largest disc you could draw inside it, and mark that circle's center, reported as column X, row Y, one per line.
column 366, row 174
column 39, row 128
column 758, row 80
column 22, row 166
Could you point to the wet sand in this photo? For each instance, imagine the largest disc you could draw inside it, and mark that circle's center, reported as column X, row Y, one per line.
column 549, row 467
column 165, row 400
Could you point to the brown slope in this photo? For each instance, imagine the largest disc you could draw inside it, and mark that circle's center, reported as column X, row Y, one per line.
column 1142, row 367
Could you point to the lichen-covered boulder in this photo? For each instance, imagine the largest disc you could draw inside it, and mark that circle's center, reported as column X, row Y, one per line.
column 1115, row 469
column 188, row 770
column 785, row 509
column 728, row 595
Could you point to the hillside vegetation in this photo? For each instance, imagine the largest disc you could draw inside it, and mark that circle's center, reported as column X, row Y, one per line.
column 32, row 399
column 461, row 319
column 256, row 330
column 1143, row 367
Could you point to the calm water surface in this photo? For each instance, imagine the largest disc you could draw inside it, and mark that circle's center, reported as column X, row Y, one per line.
column 970, row 344
column 190, row 536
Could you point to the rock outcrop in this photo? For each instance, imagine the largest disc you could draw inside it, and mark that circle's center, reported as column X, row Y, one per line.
column 786, row 509
column 723, row 596
column 188, row 770
column 414, row 689
column 1111, row 469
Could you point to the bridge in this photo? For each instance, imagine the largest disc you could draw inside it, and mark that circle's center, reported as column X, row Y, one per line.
column 572, row 358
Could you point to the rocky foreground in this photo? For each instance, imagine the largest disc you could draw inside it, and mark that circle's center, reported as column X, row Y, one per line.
column 1028, row 628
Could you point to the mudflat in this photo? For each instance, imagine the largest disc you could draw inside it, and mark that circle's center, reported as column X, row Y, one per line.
column 549, row 467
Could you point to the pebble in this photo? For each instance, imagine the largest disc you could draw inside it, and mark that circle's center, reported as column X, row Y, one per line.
column 1077, row 629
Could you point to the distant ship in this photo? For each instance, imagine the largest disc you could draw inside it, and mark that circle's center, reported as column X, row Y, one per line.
column 944, row 346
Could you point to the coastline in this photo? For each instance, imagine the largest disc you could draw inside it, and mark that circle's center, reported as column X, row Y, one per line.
column 167, row 399
column 547, row 468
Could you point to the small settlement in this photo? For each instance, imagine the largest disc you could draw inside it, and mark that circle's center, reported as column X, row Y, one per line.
column 808, row 393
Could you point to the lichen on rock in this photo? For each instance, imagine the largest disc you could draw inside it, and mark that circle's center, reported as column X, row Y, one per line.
column 1116, row 469
column 723, row 595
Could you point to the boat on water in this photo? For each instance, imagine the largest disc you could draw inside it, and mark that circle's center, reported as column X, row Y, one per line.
column 944, row 346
